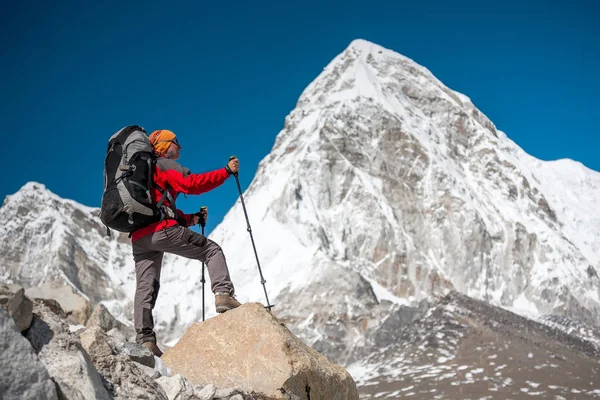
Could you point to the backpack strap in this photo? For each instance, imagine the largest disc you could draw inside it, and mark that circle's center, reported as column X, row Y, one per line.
column 159, row 205
column 165, row 195
column 167, row 164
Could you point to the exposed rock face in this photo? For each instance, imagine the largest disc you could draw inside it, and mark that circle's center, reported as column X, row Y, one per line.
column 249, row 349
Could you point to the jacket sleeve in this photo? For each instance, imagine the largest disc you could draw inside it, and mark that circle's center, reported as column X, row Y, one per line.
column 194, row 183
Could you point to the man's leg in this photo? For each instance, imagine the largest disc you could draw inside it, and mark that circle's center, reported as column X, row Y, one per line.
column 147, row 273
column 187, row 243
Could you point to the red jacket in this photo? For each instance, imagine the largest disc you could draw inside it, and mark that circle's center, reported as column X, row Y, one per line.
column 179, row 180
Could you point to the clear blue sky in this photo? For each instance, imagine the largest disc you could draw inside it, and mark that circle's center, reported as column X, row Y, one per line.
column 223, row 76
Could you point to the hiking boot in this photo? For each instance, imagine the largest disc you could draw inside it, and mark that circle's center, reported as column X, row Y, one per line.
column 153, row 348
column 225, row 302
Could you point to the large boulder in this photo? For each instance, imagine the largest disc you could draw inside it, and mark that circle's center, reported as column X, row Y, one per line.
column 250, row 350
column 18, row 306
column 76, row 306
column 23, row 375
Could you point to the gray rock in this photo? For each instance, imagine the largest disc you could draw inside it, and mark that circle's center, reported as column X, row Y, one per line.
column 151, row 372
column 53, row 305
column 23, row 375
column 46, row 325
column 177, row 387
column 66, row 361
column 224, row 393
column 102, row 318
column 127, row 381
column 138, row 353
column 161, row 367
column 19, row 306
column 236, row 397
column 207, row 393
column 116, row 337
column 95, row 342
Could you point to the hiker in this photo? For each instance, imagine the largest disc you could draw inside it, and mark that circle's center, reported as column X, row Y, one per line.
column 171, row 235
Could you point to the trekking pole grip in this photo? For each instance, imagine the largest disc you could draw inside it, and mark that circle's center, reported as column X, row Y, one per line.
column 233, row 158
column 203, row 214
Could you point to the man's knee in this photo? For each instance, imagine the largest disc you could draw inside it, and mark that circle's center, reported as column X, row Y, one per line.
column 214, row 248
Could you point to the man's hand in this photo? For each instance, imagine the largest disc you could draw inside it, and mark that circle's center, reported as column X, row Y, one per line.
column 200, row 216
column 233, row 166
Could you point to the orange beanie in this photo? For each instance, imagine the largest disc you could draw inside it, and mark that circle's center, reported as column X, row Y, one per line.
column 161, row 140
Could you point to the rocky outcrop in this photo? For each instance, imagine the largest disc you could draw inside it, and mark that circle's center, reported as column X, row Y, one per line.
column 249, row 349
column 56, row 360
column 23, row 375
column 66, row 361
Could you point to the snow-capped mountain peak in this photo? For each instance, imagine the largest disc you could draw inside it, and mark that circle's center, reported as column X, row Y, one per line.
column 383, row 171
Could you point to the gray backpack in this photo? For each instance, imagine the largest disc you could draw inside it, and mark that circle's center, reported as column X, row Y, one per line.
column 127, row 203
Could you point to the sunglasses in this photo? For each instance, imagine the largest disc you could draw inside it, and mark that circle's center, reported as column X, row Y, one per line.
column 171, row 141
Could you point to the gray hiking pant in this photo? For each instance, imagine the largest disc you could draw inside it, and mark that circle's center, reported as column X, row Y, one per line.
column 148, row 254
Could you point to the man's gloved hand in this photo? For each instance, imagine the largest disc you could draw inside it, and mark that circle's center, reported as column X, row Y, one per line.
column 233, row 166
column 200, row 217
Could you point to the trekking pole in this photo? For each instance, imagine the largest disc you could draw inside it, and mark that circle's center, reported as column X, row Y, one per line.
column 202, row 222
column 262, row 279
